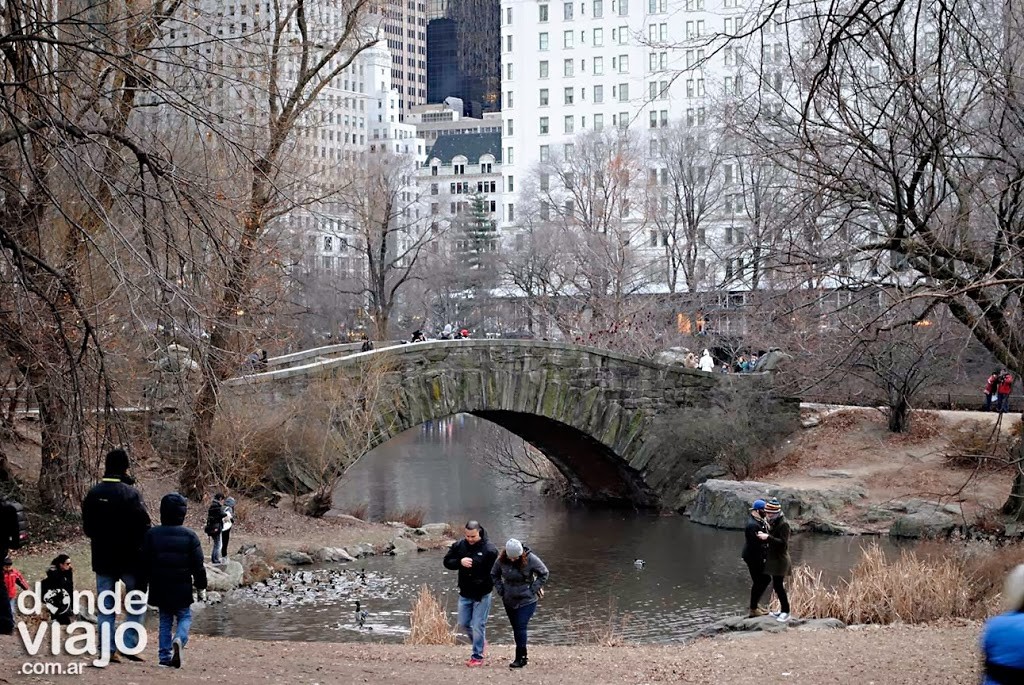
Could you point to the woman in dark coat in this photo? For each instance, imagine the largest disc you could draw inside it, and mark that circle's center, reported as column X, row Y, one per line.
column 518, row 576
column 755, row 552
column 58, row 588
column 778, row 564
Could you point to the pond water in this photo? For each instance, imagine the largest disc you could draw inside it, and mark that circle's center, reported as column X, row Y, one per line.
column 692, row 575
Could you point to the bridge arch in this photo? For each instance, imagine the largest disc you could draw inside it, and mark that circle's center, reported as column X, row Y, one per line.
column 604, row 419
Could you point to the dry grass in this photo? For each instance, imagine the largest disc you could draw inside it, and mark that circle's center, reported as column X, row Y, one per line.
column 414, row 518
column 360, row 510
column 936, row 581
column 428, row 621
column 591, row 625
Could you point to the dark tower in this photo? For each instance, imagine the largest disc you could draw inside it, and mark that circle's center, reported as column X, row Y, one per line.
column 464, row 53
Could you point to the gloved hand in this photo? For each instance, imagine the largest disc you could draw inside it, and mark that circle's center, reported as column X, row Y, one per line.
column 201, row 595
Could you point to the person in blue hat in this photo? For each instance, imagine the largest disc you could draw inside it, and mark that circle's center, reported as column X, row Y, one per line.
column 755, row 553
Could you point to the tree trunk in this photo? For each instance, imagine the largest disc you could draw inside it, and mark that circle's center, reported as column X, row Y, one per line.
column 899, row 416
column 58, row 469
column 197, row 473
column 1014, row 506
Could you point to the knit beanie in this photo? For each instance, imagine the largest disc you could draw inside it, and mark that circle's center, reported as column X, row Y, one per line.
column 772, row 506
column 513, row 548
column 116, row 463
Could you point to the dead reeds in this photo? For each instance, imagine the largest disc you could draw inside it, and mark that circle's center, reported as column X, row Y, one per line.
column 428, row 622
column 917, row 587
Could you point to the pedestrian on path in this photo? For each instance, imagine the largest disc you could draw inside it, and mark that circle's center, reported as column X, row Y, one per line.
column 473, row 557
column 519, row 576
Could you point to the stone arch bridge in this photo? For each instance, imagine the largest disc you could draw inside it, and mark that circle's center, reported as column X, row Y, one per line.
column 623, row 430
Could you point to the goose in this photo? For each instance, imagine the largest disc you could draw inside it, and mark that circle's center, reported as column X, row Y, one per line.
column 361, row 614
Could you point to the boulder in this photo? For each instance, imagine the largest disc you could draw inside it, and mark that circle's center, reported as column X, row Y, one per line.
column 293, row 558
column 435, row 529
column 937, row 524
column 810, row 422
column 673, row 356
column 223, row 577
column 362, row 550
column 332, row 555
column 708, row 472
column 401, row 545
column 726, row 504
column 768, row 624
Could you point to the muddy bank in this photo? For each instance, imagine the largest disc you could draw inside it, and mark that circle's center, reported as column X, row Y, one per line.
column 891, row 655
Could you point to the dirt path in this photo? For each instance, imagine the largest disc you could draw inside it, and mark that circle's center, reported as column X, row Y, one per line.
column 896, row 654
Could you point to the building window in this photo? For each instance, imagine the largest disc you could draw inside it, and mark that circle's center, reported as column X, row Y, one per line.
column 508, row 43
column 460, row 169
column 598, row 94
column 598, row 122
column 544, row 69
column 509, row 184
column 623, row 120
column 599, row 66
column 544, row 126
column 545, row 153
column 623, row 64
column 509, row 158
column 543, row 97
column 433, row 189
column 511, row 212
column 543, row 12
column 654, row 123
column 598, row 9
column 567, row 37
column 570, row 124
column 623, row 8
column 328, row 243
column 508, row 127
column 508, row 99
column 623, row 92
column 508, row 70
column 567, row 11
column 545, row 181
column 568, row 95
column 598, row 38
column 543, row 39
column 567, row 67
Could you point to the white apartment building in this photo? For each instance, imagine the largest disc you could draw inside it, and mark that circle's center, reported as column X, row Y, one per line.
column 578, row 66
column 460, row 167
column 435, row 120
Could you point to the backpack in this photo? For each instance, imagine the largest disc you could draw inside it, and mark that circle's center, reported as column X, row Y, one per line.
column 13, row 524
column 214, row 520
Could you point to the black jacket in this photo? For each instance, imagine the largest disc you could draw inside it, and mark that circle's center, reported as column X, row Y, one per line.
column 474, row 583
column 755, row 551
column 115, row 520
column 215, row 516
column 778, row 562
column 64, row 581
column 172, row 558
column 13, row 525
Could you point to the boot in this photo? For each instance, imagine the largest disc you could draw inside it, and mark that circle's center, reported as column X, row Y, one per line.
column 754, row 613
column 521, row 659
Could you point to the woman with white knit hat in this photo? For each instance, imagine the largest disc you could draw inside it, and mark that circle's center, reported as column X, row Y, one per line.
column 518, row 576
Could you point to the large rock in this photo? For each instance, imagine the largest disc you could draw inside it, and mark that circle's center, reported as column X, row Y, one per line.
column 726, row 504
column 767, row 624
column 937, row 524
column 708, row 472
column 435, row 529
column 294, row 558
column 223, row 577
column 332, row 555
column 401, row 545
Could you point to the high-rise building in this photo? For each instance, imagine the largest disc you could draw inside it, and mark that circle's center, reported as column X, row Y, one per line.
column 405, row 29
column 464, row 54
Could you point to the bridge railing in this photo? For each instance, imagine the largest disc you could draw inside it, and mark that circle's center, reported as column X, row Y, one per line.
column 317, row 354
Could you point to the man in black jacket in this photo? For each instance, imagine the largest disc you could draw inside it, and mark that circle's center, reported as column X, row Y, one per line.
column 172, row 564
column 13, row 533
column 115, row 521
column 473, row 557
column 755, row 552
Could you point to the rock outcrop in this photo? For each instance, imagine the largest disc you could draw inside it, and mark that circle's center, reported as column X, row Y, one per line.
column 224, row 577
column 726, row 503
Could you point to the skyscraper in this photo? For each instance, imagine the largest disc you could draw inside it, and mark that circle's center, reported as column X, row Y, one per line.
column 405, row 28
column 464, row 53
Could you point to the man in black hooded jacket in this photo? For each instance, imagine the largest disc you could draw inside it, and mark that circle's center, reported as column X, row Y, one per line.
column 473, row 557
column 172, row 564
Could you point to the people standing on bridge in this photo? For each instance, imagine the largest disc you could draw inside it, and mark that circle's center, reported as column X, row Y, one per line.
column 519, row 576
column 755, row 554
column 707, row 362
column 115, row 520
column 464, row 333
column 473, row 557
column 1003, row 391
column 991, row 386
column 778, row 563
column 417, row 336
column 1003, row 635
column 367, row 344
column 446, row 332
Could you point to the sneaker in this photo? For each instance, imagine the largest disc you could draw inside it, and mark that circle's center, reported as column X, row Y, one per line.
column 176, row 647
column 782, row 617
column 774, row 614
column 164, row 664
column 474, row 662
column 134, row 657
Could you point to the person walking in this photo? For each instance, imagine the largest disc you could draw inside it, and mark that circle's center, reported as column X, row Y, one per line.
column 755, row 553
column 778, row 563
column 115, row 520
column 172, row 563
column 473, row 557
column 229, row 523
column 1002, row 636
column 13, row 579
column 519, row 576
column 215, row 526
column 58, row 588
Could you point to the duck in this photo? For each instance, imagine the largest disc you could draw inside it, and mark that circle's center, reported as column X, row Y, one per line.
column 639, row 563
column 361, row 614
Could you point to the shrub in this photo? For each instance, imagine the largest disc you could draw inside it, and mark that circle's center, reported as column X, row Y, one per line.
column 360, row 510
column 428, row 622
column 936, row 581
column 414, row 518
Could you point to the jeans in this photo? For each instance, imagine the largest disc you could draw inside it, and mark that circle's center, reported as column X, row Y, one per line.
column 759, row 583
column 520, row 618
column 1003, row 403
column 215, row 557
column 224, row 538
column 105, row 610
column 473, row 619
column 167, row 619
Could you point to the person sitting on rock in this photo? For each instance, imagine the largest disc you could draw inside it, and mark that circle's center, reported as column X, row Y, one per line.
column 172, row 563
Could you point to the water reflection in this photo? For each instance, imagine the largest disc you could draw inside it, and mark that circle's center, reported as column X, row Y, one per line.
column 693, row 573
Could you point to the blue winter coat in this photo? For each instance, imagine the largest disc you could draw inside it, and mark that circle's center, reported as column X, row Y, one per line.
column 1002, row 643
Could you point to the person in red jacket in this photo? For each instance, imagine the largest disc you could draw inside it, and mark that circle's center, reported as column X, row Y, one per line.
column 13, row 580
column 990, row 391
column 1003, row 391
